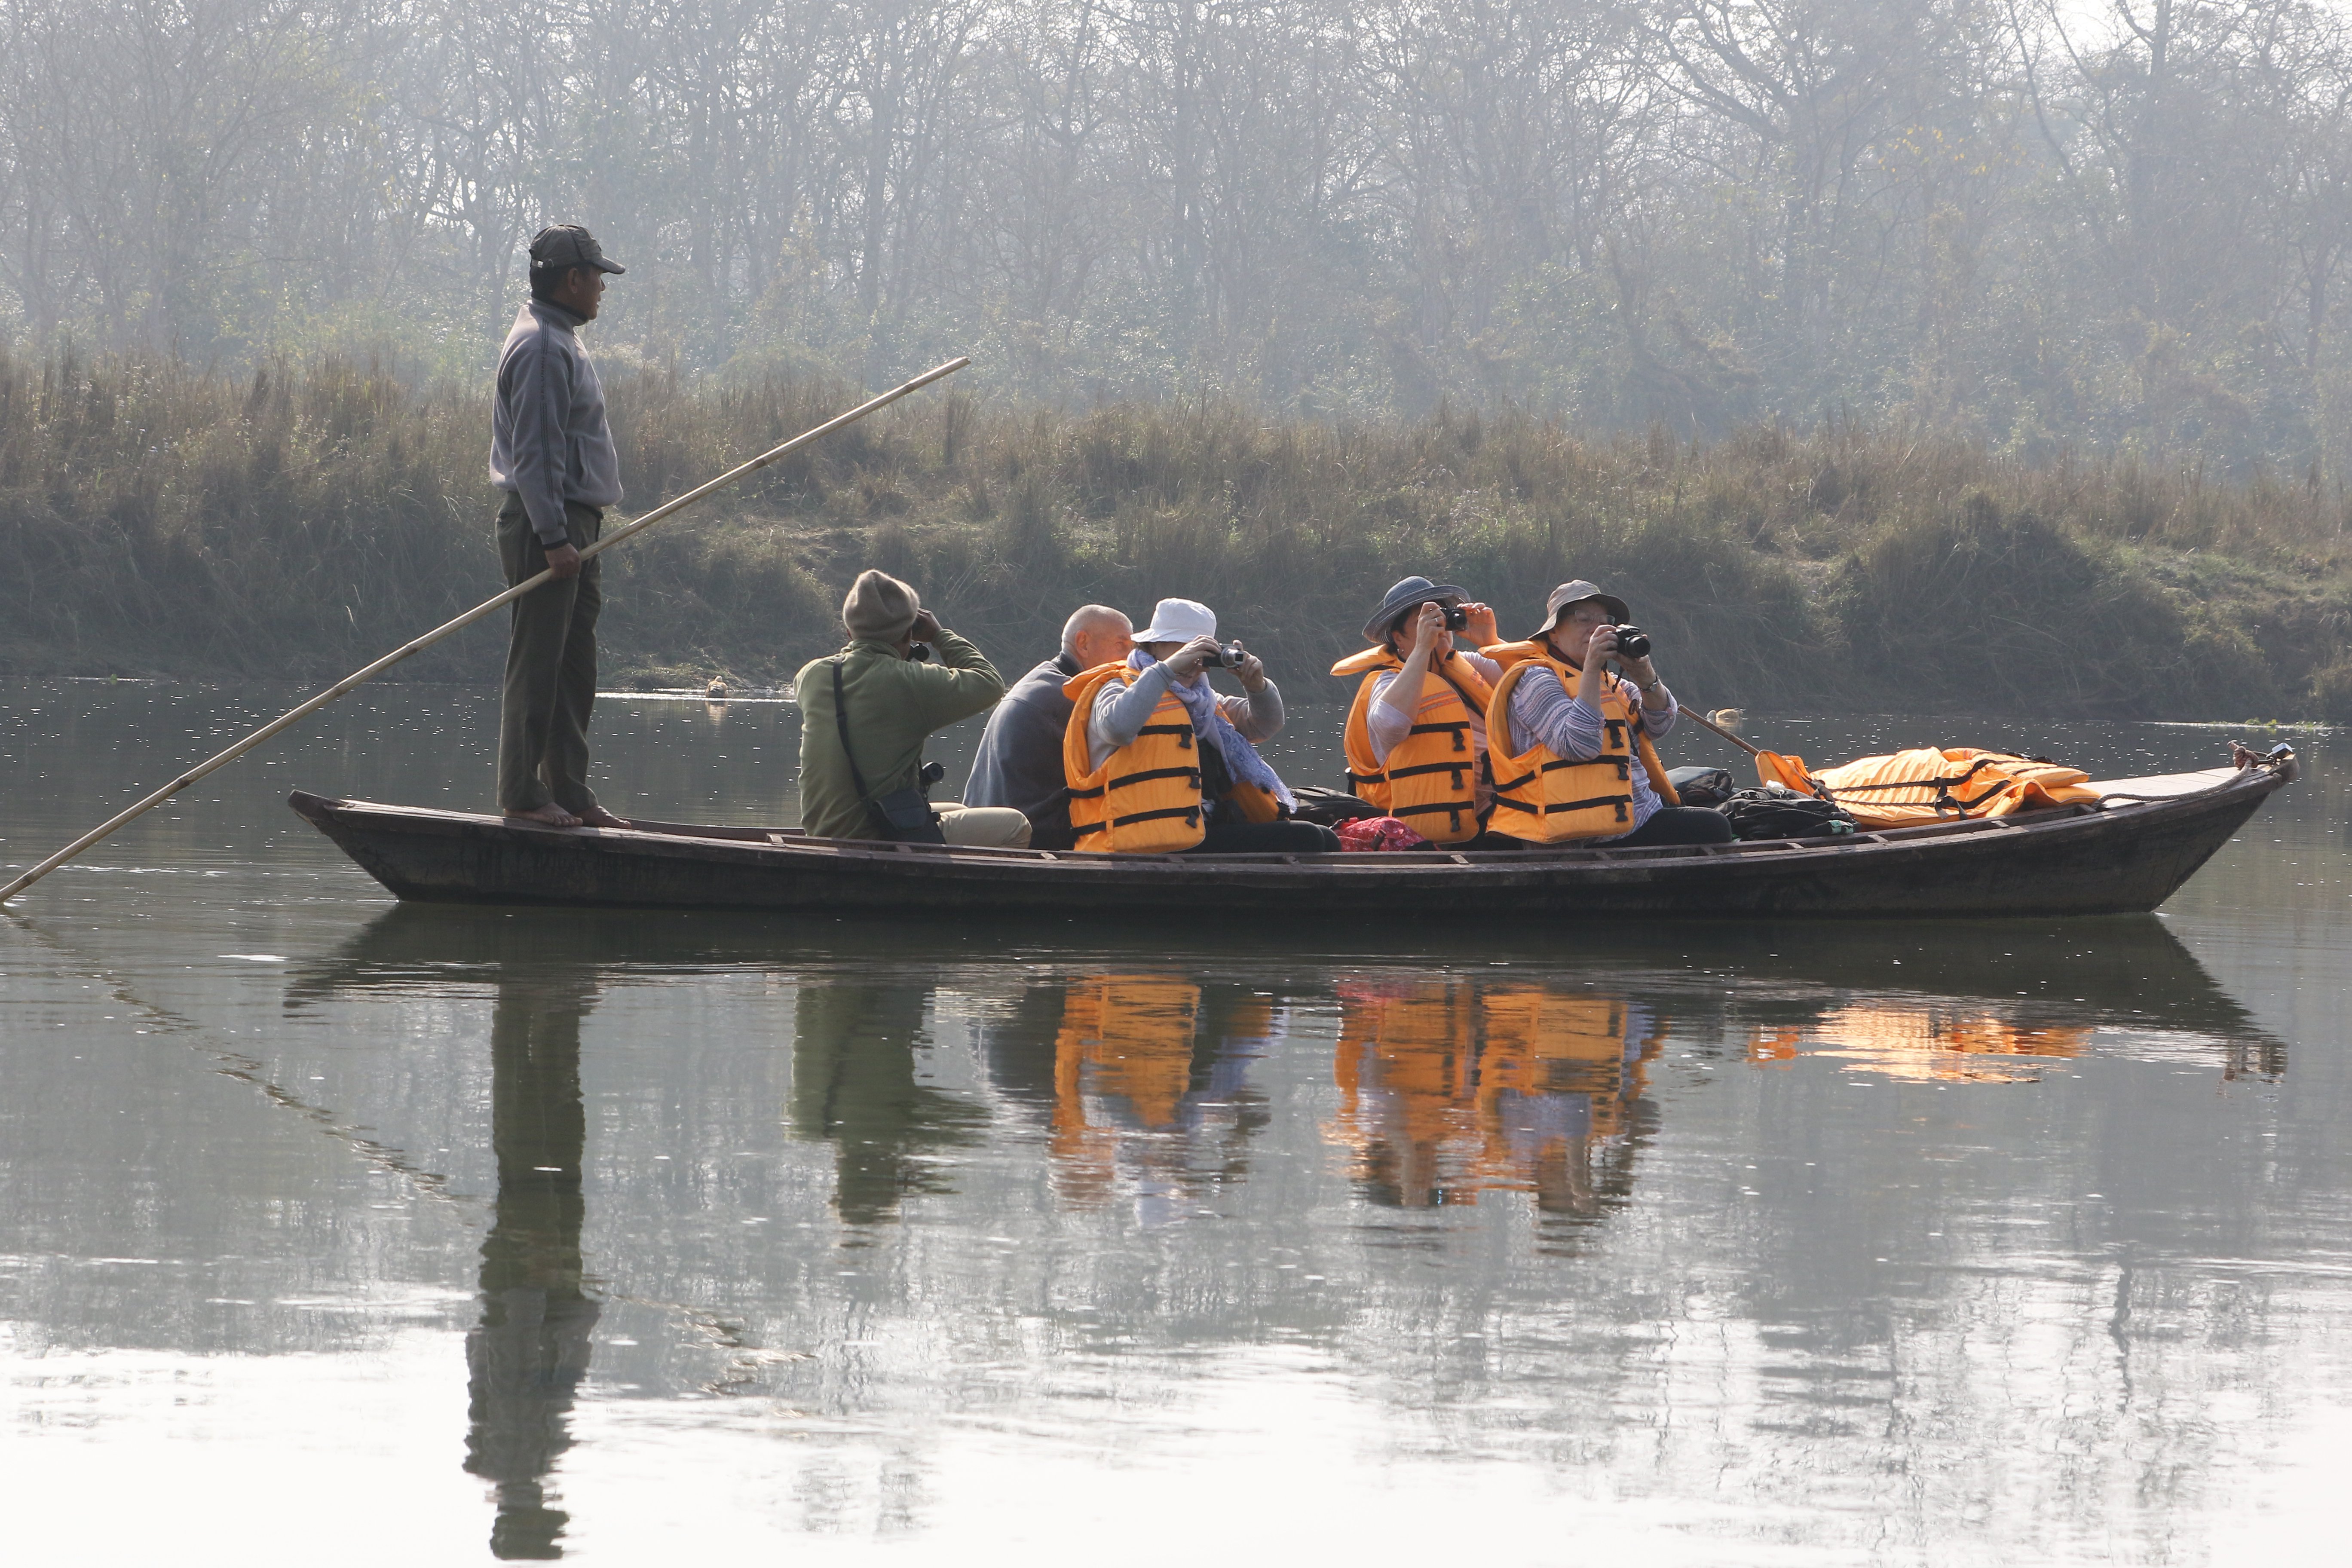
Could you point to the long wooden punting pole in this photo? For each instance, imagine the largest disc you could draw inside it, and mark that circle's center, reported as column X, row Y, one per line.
column 1705, row 724
column 667, row 510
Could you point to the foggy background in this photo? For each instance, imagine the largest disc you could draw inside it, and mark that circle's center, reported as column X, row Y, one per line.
column 2114, row 228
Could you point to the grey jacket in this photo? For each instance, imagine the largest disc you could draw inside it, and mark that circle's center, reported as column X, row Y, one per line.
column 1020, row 759
column 548, row 441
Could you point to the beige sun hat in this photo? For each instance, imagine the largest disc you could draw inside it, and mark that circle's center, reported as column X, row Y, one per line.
column 1576, row 592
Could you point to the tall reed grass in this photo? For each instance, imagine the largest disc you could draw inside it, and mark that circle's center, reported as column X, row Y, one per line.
column 156, row 518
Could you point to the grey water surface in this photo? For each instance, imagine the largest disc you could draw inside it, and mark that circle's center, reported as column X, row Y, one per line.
column 337, row 1231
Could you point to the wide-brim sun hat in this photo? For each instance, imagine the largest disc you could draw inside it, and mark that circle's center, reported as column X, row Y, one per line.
column 1178, row 620
column 1576, row 592
column 1410, row 593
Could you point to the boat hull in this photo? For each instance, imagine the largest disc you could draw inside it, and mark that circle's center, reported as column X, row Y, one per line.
column 2126, row 858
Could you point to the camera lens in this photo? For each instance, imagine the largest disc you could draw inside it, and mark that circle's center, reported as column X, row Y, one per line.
column 1456, row 617
column 1632, row 642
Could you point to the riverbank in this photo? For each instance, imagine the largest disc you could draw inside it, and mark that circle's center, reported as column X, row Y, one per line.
column 156, row 519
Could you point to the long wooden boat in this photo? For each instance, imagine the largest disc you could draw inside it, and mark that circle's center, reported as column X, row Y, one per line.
column 2126, row 854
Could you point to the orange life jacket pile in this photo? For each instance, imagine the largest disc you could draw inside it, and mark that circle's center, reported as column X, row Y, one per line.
column 1903, row 789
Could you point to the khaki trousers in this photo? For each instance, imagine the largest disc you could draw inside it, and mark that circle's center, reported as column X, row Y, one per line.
column 984, row 826
column 551, row 682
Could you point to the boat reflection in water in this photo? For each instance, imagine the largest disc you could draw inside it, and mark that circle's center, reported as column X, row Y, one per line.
column 1449, row 1089
column 1134, row 1084
column 1150, row 1091
column 526, row 1358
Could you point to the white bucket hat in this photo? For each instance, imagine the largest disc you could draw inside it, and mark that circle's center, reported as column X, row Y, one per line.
column 1179, row 620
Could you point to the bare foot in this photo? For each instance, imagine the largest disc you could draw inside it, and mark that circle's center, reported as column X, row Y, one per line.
column 549, row 816
column 597, row 816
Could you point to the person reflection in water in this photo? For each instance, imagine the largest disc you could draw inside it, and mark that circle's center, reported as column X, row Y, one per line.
column 525, row 1361
column 1449, row 1089
column 1150, row 1090
column 854, row 1084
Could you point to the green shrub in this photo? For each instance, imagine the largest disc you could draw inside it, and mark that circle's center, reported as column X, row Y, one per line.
column 155, row 518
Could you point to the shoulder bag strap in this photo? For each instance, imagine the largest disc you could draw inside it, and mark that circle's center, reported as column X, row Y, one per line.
column 841, row 721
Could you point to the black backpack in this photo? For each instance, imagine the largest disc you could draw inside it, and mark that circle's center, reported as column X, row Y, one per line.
column 1776, row 811
column 1330, row 806
column 1702, row 785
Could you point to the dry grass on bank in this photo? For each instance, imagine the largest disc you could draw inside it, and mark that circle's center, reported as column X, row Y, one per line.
column 306, row 518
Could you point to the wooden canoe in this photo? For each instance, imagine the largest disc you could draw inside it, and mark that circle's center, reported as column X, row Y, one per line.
column 2125, row 854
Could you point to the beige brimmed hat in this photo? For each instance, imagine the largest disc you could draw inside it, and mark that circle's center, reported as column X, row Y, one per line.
column 879, row 606
column 1178, row 620
column 1576, row 592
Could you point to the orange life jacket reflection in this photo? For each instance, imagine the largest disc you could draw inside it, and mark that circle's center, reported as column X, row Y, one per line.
column 1431, row 777
column 1142, row 1069
column 1545, row 798
column 1145, row 799
column 1448, row 1088
column 1934, row 1040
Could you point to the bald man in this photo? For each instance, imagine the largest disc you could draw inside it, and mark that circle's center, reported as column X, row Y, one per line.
column 1020, row 759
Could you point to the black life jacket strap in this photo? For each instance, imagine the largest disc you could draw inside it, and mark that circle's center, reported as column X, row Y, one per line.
column 1191, row 814
column 1192, row 774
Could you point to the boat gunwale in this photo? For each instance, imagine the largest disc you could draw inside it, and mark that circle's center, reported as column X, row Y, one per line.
column 700, row 841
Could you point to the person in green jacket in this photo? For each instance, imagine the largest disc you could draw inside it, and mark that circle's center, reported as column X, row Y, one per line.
column 893, row 701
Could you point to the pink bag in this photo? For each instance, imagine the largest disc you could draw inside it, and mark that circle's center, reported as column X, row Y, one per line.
column 1372, row 833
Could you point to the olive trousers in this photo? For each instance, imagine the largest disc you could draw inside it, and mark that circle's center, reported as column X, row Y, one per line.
column 550, row 683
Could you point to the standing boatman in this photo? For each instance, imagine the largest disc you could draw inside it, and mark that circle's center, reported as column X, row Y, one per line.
column 552, row 452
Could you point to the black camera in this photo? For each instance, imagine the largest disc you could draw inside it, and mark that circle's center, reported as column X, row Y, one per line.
column 1229, row 656
column 1456, row 617
column 932, row 773
column 1632, row 643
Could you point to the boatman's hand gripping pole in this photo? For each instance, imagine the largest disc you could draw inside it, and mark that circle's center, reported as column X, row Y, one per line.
column 659, row 513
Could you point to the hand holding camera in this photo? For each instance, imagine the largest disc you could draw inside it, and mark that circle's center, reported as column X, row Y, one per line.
column 1435, row 624
column 1244, row 664
column 1195, row 655
column 1432, row 624
column 1629, row 646
column 1208, row 653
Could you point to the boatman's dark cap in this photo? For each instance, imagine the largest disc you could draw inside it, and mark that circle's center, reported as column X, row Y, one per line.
column 1576, row 592
column 566, row 246
column 1409, row 595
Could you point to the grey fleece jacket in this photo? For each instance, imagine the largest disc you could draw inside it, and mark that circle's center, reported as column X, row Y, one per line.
column 548, row 441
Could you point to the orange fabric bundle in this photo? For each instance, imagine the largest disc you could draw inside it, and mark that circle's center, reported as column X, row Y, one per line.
column 1903, row 789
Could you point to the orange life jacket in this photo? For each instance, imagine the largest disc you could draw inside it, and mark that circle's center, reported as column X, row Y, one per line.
column 1146, row 797
column 1928, row 784
column 1547, row 799
column 1431, row 777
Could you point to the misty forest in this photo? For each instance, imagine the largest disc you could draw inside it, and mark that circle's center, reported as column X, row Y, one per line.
column 1818, row 317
